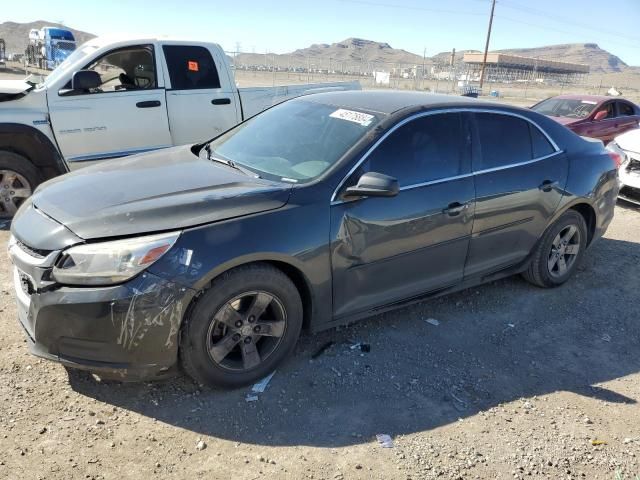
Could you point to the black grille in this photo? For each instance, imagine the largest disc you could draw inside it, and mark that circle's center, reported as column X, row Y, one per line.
column 34, row 252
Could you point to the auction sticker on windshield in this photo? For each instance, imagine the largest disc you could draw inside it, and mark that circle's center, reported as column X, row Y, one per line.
column 363, row 119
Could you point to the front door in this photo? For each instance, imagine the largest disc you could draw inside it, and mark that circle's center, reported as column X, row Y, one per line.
column 388, row 249
column 200, row 106
column 519, row 179
column 125, row 115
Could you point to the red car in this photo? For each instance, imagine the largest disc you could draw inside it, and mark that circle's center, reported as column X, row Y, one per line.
column 593, row 116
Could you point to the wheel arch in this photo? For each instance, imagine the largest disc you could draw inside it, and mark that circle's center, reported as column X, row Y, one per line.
column 584, row 208
column 35, row 146
column 285, row 264
column 589, row 215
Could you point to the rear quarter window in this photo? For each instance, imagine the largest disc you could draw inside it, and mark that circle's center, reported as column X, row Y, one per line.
column 191, row 67
column 539, row 143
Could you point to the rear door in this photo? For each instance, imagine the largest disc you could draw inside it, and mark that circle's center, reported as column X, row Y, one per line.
column 628, row 117
column 200, row 100
column 388, row 249
column 519, row 179
column 125, row 115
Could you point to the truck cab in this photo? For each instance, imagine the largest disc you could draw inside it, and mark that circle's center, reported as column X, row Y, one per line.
column 112, row 98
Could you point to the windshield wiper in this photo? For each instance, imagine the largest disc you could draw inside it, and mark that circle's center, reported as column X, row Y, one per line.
column 230, row 163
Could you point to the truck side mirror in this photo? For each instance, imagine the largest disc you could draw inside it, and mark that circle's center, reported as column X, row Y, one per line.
column 85, row 80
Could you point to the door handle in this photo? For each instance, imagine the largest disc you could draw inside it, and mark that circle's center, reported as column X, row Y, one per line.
column 149, row 104
column 548, row 185
column 454, row 209
column 221, row 101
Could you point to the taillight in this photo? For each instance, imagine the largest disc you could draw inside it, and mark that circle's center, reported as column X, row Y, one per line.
column 616, row 157
column 616, row 153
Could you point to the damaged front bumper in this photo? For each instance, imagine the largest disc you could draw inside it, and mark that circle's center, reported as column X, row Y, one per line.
column 629, row 178
column 128, row 331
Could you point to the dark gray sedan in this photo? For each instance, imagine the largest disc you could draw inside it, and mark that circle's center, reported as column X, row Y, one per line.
column 318, row 212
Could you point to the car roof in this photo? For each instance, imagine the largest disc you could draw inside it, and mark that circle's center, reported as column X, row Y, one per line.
column 392, row 101
column 592, row 98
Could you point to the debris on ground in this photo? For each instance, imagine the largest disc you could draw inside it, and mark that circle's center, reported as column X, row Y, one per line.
column 384, row 440
column 251, row 398
column 322, row 349
column 595, row 442
column 262, row 384
column 201, row 445
column 432, row 321
column 606, row 337
column 364, row 347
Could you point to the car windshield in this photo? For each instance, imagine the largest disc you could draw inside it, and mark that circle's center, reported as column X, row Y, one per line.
column 565, row 107
column 61, row 69
column 296, row 141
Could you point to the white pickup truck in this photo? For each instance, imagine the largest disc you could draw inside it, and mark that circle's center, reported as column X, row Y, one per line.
column 113, row 98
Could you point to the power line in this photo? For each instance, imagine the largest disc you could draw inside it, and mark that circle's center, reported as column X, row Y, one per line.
column 411, row 7
column 546, row 27
column 556, row 18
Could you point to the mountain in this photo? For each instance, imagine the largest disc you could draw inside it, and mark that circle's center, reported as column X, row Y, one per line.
column 16, row 35
column 350, row 53
column 599, row 60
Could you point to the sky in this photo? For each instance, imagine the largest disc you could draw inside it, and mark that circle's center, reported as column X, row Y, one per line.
column 280, row 26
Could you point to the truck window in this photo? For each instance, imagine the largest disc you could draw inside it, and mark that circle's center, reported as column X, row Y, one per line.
column 190, row 67
column 130, row 68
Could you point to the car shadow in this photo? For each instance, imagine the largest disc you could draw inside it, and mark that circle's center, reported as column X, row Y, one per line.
column 492, row 344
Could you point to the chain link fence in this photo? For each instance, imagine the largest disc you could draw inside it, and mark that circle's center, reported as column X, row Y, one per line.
column 253, row 69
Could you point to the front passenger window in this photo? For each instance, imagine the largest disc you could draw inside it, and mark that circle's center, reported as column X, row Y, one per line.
column 130, row 68
column 426, row 149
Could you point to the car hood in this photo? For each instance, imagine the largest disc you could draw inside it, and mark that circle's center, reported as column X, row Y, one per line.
column 629, row 141
column 164, row 190
column 13, row 87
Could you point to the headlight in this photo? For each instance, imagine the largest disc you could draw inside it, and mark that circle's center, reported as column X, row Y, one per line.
column 108, row 263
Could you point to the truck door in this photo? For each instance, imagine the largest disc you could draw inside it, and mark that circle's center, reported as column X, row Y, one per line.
column 201, row 102
column 125, row 115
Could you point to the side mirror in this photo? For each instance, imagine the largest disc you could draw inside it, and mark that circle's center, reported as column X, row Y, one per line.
column 85, row 80
column 601, row 115
column 374, row 184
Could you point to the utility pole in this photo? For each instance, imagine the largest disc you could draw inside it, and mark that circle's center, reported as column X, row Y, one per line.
column 486, row 45
column 424, row 56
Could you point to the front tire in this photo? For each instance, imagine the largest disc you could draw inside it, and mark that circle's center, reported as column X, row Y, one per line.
column 559, row 251
column 242, row 327
column 18, row 178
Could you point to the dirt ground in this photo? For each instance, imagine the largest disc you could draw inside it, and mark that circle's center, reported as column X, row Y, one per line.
column 514, row 382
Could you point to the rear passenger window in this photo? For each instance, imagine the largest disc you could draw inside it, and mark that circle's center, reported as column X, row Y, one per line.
column 425, row 149
column 190, row 67
column 504, row 140
column 624, row 109
column 539, row 142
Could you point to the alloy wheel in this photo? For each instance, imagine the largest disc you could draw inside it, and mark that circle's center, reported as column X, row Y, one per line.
column 564, row 251
column 14, row 190
column 246, row 330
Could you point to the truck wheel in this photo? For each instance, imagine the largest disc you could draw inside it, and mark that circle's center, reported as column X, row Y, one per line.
column 242, row 327
column 18, row 179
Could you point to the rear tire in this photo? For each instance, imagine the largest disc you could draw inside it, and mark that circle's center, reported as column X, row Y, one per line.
column 559, row 251
column 18, row 179
column 242, row 327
